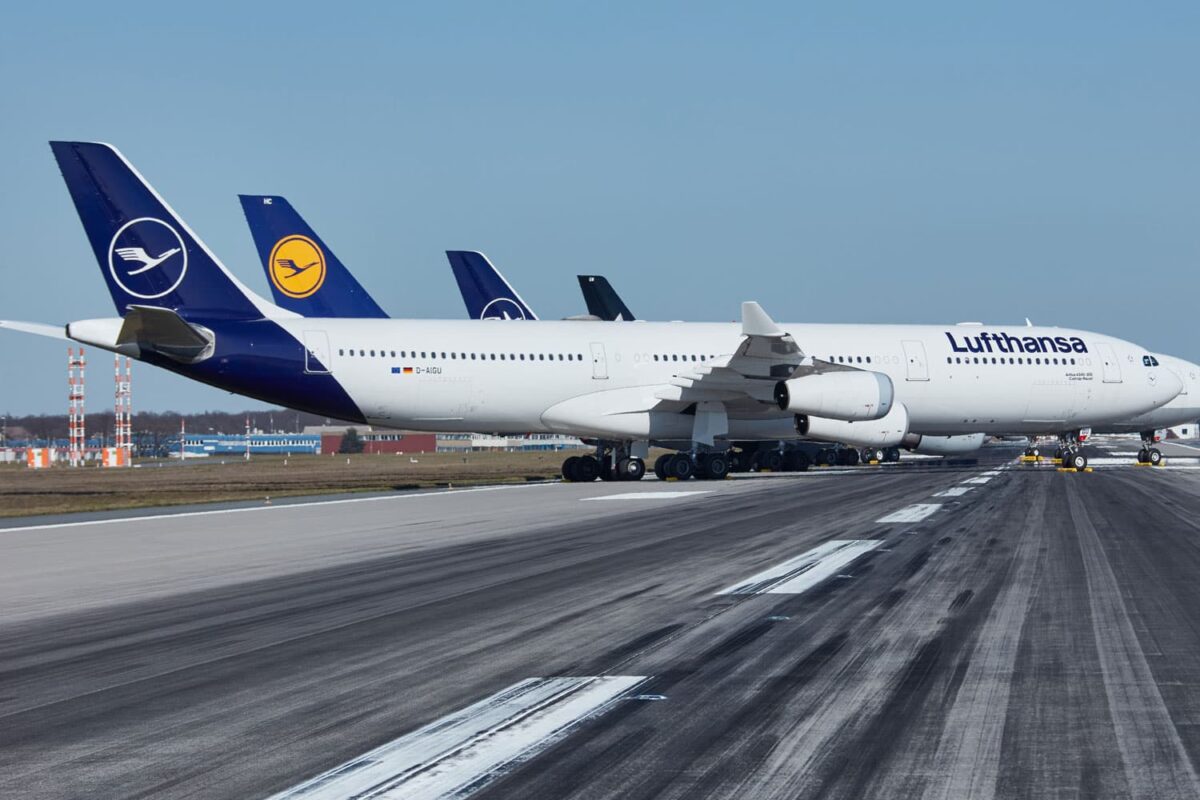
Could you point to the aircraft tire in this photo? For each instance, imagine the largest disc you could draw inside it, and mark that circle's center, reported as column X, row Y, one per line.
column 587, row 470
column 716, row 466
column 660, row 466
column 1154, row 456
column 568, row 469
column 1078, row 461
column 680, row 467
column 630, row 469
column 773, row 460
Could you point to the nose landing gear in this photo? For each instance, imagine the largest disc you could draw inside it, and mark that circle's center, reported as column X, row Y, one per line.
column 1149, row 454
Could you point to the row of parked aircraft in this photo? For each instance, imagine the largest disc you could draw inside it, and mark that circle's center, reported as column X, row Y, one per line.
column 709, row 392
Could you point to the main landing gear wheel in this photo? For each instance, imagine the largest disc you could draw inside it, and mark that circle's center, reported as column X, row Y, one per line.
column 1154, row 456
column 1077, row 461
column 796, row 461
column 714, row 466
column 660, row 466
column 568, row 469
column 772, row 460
column 587, row 470
column 630, row 469
column 679, row 466
column 607, row 470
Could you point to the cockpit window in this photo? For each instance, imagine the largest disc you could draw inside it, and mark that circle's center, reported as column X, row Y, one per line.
column 1149, row 361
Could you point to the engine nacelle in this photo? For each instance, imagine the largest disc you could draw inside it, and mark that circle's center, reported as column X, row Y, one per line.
column 849, row 395
column 886, row 432
column 944, row 445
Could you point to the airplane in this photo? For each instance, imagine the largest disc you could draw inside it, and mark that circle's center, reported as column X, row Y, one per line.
column 603, row 301
column 274, row 223
column 691, row 387
column 301, row 269
column 1183, row 409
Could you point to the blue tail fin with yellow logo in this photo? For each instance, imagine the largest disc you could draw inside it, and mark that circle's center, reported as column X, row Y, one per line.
column 485, row 291
column 147, row 254
column 304, row 274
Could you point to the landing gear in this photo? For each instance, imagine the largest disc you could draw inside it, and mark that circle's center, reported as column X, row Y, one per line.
column 712, row 466
column 796, row 461
column 679, row 466
column 609, row 464
column 1149, row 454
column 870, row 454
column 630, row 469
column 1076, row 461
column 891, row 454
column 568, row 468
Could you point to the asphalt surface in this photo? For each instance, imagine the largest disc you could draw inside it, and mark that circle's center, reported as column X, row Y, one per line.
column 1034, row 636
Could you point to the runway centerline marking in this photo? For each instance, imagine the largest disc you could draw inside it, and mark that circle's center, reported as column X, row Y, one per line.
column 913, row 513
column 954, row 491
column 459, row 754
column 979, row 480
column 646, row 495
column 798, row 575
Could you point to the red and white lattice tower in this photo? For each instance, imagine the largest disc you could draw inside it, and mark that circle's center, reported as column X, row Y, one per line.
column 76, row 435
column 123, row 417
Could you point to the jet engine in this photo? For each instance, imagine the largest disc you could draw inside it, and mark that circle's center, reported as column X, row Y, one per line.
column 847, row 395
column 887, row 432
column 944, row 445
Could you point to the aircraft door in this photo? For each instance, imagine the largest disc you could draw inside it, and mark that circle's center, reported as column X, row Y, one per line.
column 914, row 356
column 316, row 353
column 1112, row 367
column 599, row 362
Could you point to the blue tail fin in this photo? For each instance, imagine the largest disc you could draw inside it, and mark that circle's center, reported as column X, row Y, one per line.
column 304, row 274
column 602, row 299
column 148, row 255
column 484, row 290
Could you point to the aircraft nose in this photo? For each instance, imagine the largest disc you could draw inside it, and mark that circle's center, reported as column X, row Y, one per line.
column 1165, row 385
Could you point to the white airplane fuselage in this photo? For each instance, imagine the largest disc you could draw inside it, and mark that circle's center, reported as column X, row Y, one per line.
column 601, row 379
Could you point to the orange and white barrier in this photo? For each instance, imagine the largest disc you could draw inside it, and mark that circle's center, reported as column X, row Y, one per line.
column 39, row 457
column 115, row 457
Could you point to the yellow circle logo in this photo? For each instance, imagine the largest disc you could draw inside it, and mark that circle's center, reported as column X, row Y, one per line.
column 297, row 266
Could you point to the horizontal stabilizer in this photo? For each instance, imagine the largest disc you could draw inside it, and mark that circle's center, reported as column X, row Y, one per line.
column 36, row 328
column 162, row 331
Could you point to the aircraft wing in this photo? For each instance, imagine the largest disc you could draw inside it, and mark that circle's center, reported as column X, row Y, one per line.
column 36, row 328
column 746, row 378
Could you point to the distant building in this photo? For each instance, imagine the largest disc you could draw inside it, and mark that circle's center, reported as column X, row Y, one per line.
column 1190, row 431
column 382, row 441
column 199, row 445
column 481, row 442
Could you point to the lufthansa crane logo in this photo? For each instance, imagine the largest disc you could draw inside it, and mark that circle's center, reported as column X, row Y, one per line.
column 147, row 258
column 502, row 308
column 297, row 266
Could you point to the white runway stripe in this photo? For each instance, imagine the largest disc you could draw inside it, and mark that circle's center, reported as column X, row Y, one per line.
column 799, row 574
column 459, row 754
column 954, row 491
column 647, row 495
column 283, row 506
column 980, row 480
column 914, row 513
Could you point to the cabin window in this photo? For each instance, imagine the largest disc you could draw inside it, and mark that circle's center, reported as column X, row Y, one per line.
column 340, row 353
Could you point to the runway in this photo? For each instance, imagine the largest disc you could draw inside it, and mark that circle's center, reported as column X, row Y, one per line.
column 902, row 631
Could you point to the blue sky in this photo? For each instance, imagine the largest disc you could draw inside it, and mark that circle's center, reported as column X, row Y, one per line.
column 840, row 162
